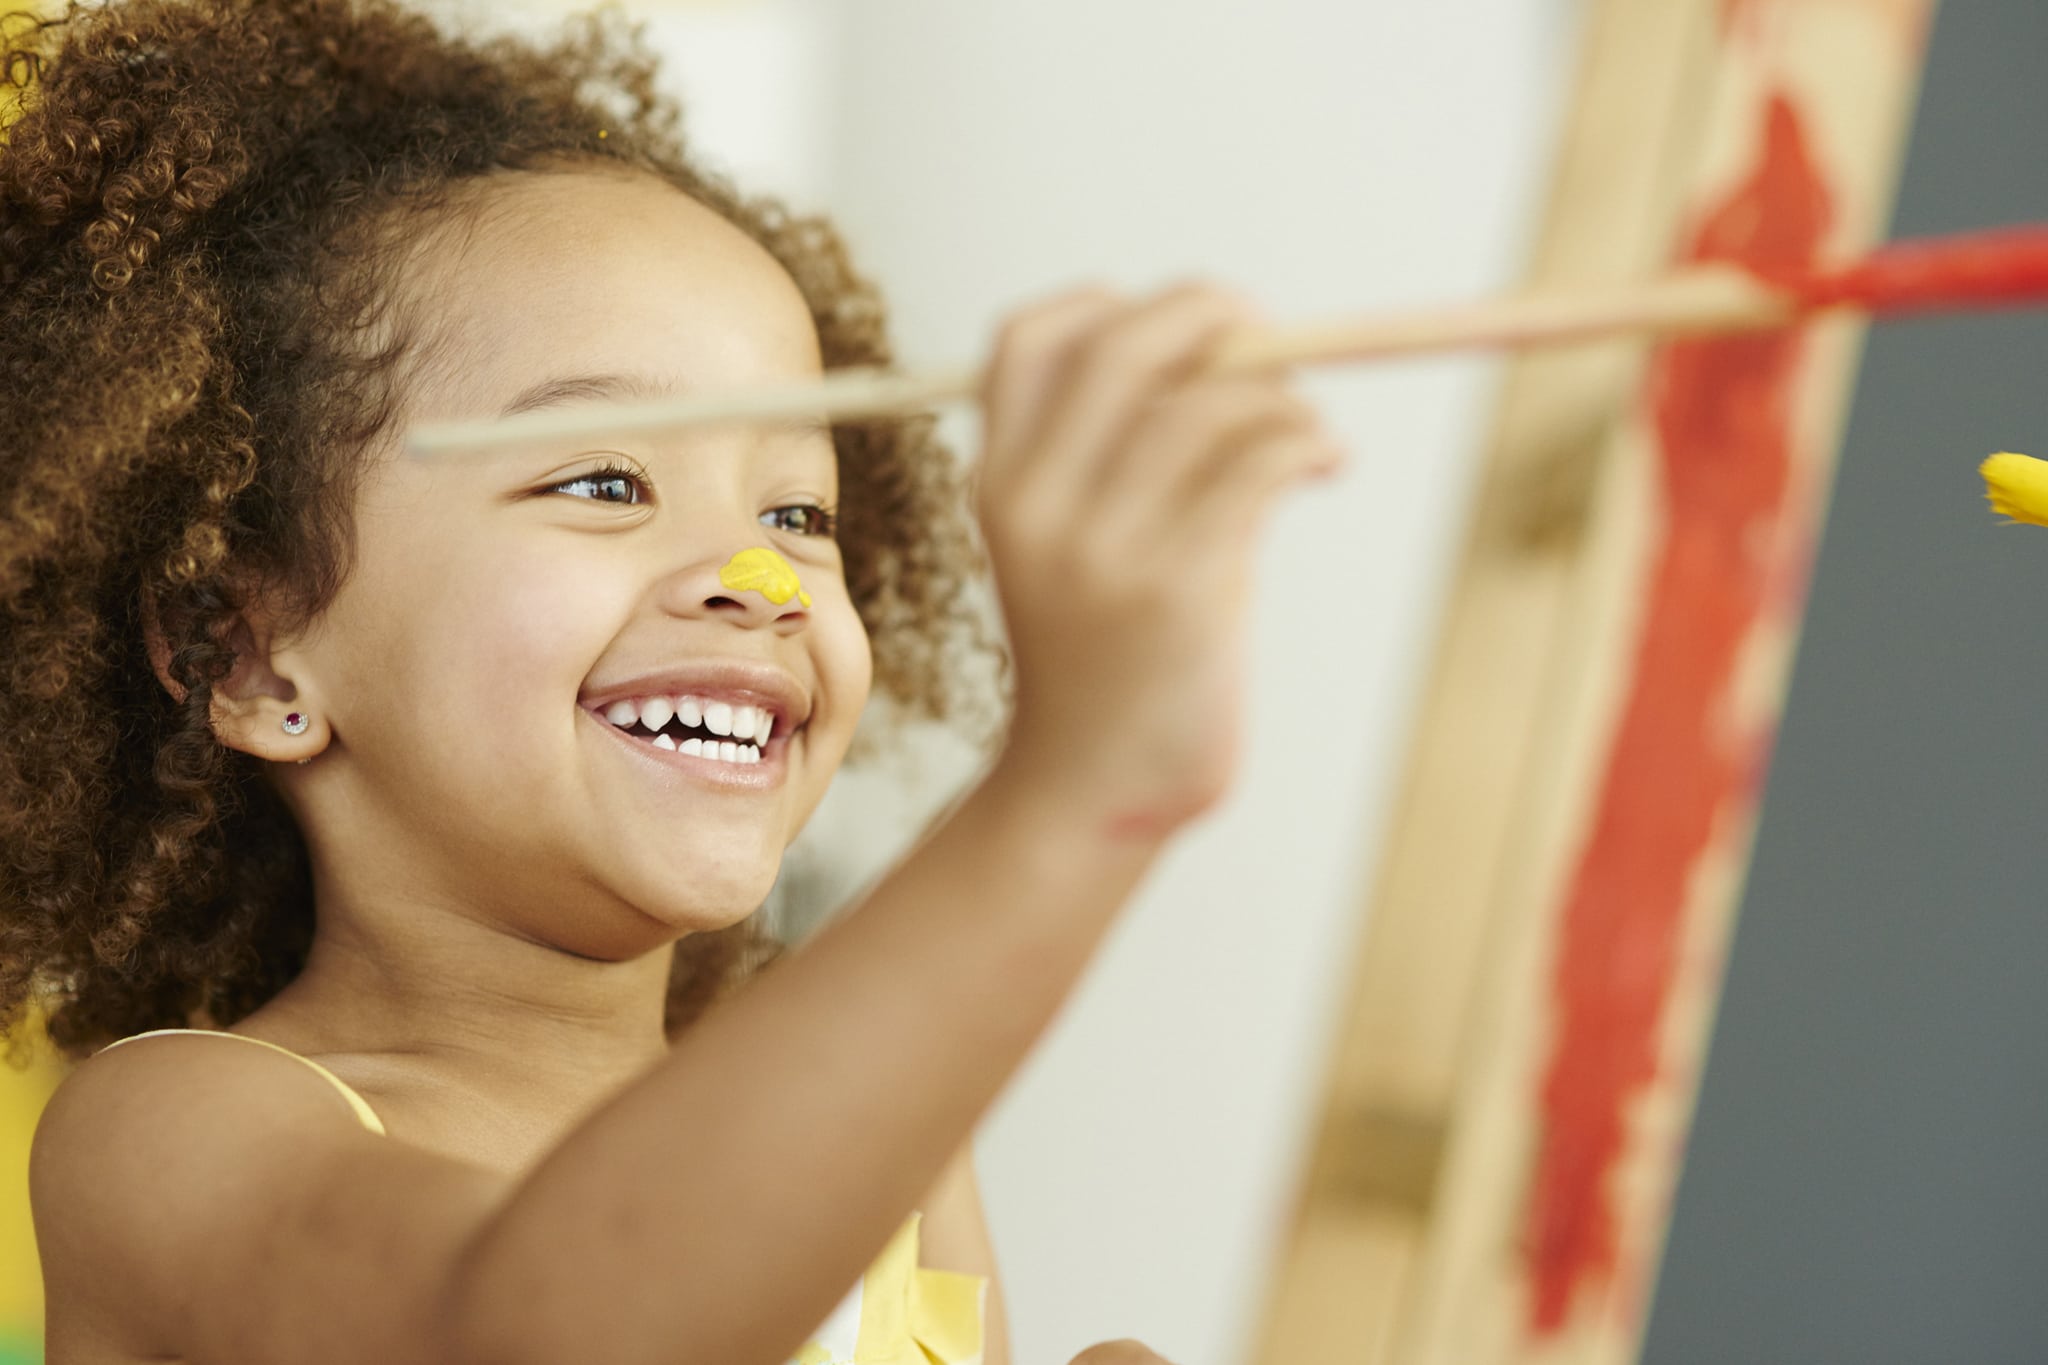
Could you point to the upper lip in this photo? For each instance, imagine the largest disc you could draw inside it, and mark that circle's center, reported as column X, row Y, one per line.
column 729, row 680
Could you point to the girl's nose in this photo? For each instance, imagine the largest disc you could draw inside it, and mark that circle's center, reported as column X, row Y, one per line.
column 754, row 586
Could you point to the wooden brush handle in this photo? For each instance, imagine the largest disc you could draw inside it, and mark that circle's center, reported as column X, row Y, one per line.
column 1704, row 299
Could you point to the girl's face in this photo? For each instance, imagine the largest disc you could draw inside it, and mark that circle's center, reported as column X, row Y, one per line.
column 515, row 618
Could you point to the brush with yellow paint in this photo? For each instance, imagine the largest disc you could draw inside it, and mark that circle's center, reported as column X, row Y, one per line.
column 2017, row 486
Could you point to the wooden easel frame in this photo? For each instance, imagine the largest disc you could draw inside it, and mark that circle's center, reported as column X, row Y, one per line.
column 1480, row 1191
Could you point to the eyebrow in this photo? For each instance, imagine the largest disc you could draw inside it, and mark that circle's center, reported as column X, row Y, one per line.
column 627, row 388
column 571, row 388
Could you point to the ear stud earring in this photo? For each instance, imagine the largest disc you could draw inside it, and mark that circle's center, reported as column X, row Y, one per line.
column 295, row 724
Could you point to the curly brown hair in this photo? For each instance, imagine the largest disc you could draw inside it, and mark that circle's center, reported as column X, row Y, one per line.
column 193, row 201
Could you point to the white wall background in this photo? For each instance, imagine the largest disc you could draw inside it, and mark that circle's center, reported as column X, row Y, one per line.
column 1325, row 156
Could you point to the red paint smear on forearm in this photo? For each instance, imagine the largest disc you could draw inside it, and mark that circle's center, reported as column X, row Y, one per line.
column 1723, row 413
column 1142, row 826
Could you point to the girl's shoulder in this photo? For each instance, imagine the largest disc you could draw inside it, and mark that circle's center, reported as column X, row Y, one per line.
column 171, row 1168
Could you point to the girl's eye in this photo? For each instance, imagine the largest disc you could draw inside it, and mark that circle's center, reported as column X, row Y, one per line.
column 611, row 484
column 805, row 519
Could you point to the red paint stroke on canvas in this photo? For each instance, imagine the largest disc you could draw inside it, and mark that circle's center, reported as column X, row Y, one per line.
column 1723, row 416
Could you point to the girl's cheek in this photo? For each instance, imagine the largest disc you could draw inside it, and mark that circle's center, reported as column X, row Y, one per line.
column 513, row 616
column 552, row 614
column 852, row 659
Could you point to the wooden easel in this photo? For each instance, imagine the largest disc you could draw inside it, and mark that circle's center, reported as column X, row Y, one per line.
column 1516, row 1066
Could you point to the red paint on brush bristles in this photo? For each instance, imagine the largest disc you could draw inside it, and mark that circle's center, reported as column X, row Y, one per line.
column 1999, row 268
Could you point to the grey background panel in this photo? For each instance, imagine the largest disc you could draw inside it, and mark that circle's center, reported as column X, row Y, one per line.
column 1868, row 1175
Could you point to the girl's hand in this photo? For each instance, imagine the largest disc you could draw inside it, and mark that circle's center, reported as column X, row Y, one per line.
column 1120, row 496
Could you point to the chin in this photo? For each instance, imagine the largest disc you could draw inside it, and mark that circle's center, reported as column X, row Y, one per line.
column 700, row 904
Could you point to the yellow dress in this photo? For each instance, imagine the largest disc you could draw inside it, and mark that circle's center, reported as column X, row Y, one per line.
column 899, row 1314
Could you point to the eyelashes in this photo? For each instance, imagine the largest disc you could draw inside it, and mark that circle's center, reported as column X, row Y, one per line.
column 611, row 477
column 620, row 485
column 820, row 521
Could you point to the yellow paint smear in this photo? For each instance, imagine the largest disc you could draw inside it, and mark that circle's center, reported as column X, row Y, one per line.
column 765, row 572
column 2017, row 486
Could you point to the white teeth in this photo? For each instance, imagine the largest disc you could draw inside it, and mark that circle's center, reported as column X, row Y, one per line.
column 750, row 727
column 723, row 750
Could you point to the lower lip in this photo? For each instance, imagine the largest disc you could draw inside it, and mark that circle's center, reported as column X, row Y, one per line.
column 713, row 772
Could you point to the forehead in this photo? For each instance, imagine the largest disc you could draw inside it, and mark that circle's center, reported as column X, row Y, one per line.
column 578, row 273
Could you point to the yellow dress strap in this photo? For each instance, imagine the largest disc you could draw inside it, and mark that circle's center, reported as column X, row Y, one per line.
column 356, row 1102
column 903, row 1314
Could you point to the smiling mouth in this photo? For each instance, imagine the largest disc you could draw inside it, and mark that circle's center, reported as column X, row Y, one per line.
column 697, row 726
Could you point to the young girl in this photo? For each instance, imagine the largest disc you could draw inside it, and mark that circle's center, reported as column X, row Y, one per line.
column 402, row 813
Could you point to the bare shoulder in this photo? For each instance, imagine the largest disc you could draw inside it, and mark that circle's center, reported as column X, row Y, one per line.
column 203, row 1197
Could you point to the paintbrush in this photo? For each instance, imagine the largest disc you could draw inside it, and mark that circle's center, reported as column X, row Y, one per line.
column 2002, row 268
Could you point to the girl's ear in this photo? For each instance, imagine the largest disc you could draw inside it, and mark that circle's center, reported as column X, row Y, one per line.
column 158, row 646
column 252, row 705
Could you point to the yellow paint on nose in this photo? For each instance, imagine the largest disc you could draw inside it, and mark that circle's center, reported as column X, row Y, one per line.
column 2017, row 486
column 765, row 572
